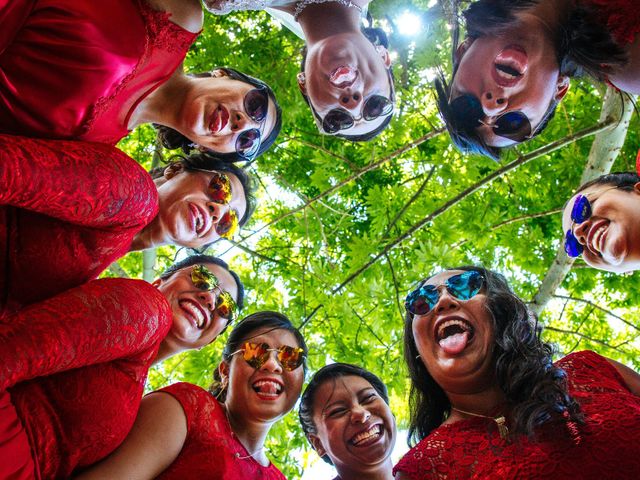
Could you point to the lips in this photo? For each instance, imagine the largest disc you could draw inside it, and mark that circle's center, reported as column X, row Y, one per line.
column 509, row 66
column 268, row 388
column 343, row 76
column 367, row 437
column 453, row 334
column 200, row 221
column 219, row 119
column 597, row 236
column 194, row 311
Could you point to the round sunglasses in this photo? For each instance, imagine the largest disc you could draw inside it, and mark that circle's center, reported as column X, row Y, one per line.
column 462, row 286
column 257, row 354
column 513, row 125
column 256, row 105
column 339, row 119
column 205, row 280
column 219, row 190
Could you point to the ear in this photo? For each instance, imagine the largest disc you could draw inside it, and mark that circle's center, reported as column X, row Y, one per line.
column 302, row 82
column 218, row 73
column 223, row 369
column 172, row 170
column 384, row 54
column 562, row 87
column 462, row 49
column 636, row 187
column 156, row 283
column 316, row 443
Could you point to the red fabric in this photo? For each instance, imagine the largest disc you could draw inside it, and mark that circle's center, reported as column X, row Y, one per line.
column 622, row 17
column 17, row 463
column 78, row 68
column 67, row 210
column 87, row 351
column 211, row 449
column 606, row 447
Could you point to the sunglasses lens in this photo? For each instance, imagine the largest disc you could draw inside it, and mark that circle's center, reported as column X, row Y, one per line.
column 572, row 246
column 581, row 210
column 376, row 106
column 248, row 143
column 226, row 306
column 256, row 103
column 228, row 224
column 467, row 111
column 255, row 354
column 336, row 120
column 220, row 188
column 290, row 357
column 466, row 285
column 202, row 278
column 421, row 300
column 513, row 125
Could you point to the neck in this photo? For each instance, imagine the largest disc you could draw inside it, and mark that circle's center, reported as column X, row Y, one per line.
column 149, row 237
column 381, row 471
column 165, row 351
column 489, row 402
column 319, row 21
column 250, row 434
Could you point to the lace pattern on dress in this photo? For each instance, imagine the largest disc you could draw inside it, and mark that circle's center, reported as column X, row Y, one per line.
column 622, row 18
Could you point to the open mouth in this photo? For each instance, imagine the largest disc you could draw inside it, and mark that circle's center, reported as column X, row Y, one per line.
column 597, row 236
column 267, row 389
column 219, row 119
column 454, row 335
column 510, row 65
column 343, row 76
column 366, row 438
column 195, row 312
column 200, row 221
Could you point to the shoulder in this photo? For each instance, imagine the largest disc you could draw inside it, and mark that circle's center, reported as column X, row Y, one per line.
column 588, row 371
column 423, row 458
column 197, row 403
column 184, row 13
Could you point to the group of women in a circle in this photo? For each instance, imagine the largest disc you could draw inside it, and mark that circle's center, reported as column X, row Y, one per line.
column 486, row 399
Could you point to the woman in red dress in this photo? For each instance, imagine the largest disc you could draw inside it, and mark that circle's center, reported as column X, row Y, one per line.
column 345, row 414
column 183, row 431
column 487, row 401
column 74, row 366
column 514, row 65
column 72, row 69
column 62, row 221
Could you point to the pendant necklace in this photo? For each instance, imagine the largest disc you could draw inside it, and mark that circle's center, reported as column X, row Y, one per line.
column 501, row 422
column 237, row 454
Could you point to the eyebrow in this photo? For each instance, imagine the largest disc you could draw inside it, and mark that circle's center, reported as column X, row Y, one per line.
column 337, row 402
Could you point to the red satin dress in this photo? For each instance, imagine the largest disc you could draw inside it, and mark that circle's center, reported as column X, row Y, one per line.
column 622, row 17
column 75, row 367
column 78, row 68
column 67, row 210
column 211, row 450
column 606, row 447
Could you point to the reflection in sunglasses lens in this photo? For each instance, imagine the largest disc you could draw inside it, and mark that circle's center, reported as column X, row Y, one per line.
column 376, row 106
column 256, row 103
column 248, row 143
column 336, row 120
column 220, row 188
column 228, row 224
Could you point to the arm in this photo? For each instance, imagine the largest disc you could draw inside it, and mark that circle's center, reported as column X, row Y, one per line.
column 154, row 442
column 83, row 183
column 100, row 321
column 630, row 377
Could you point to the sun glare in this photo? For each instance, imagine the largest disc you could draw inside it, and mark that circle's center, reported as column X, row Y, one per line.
column 409, row 24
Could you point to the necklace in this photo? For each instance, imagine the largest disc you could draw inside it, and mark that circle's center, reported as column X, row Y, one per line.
column 501, row 422
column 302, row 4
column 233, row 434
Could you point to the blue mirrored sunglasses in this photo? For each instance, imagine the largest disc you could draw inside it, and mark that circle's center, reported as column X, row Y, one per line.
column 580, row 212
column 463, row 286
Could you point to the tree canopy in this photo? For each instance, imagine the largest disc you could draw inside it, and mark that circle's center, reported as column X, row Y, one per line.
column 343, row 231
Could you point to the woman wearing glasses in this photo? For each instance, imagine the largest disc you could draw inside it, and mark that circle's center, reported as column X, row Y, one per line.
column 345, row 415
column 183, row 431
column 514, row 65
column 346, row 75
column 73, row 367
column 93, row 216
column 487, row 401
column 601, row 223
column 96, row 70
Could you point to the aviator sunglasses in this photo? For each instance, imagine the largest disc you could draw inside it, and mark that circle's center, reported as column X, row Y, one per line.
column 463, row 286
column 256, row 104
column 580, row 212
column 219, row 190
column 257, row 354
column 203, row 279
column 513, row 125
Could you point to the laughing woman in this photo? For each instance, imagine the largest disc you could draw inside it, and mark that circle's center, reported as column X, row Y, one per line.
column 344, row 412
column 183, row 431
column 487, row 401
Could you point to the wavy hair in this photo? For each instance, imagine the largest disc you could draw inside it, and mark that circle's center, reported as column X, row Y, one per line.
column 535, row 389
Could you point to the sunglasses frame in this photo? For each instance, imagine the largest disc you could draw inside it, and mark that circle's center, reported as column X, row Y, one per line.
column 431, row 293
column 231, row 213
column 257, row 362
column 364, row 115
column 221, row 295
column 250, row 157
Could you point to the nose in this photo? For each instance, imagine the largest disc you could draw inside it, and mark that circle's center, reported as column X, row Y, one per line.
column 272, row 364
column 216, row 210
column 350, row 100
column 494, row 103
column 208, row 299
column 238, row 121
column 446, row 301
column 359, row 414
column 581, row 230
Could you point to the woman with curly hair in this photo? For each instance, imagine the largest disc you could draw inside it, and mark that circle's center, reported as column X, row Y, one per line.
column 515, row 63
column 488, row 402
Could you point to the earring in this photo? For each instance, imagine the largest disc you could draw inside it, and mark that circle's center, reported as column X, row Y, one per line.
column 417, row 357
column 302, row 78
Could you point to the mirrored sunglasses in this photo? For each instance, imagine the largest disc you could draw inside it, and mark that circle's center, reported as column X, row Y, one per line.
column 580, row 212
column 203, row 279
column 339, row 119
column 463, row 287
column 257, row 354
column 219, row 191
column 256, row 105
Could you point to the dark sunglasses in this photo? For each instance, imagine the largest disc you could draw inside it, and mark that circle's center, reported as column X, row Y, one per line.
column 463, row 286
column 203, row 279
column 257, row 354
column 512, row 125
column 339, row 119
column 580, row 212
column 256, row 105
column 219, row 190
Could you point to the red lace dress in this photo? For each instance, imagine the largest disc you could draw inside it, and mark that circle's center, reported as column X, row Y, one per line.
column 67, row 210
column 622, row 17
column 211, row 450
column 78, row 68
column 606, row 447
column 76, row 365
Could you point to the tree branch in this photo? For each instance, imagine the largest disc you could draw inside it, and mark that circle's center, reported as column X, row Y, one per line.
column 413, row 198
column 598, row 307
column 586, row 337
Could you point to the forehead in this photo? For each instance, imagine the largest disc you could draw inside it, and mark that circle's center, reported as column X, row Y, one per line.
column 337, row 389
column 274, row 337
column 270, row 120
column 442, row 277
column 238, row 196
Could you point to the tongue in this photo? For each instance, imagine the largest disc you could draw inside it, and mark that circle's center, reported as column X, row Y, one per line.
column 454, row 344
column 268, row 388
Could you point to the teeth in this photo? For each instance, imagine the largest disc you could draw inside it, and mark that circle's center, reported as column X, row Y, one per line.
column 450, row 323
column 195, row 312
column 374, row 431
column 506, row 71
column 274, row 387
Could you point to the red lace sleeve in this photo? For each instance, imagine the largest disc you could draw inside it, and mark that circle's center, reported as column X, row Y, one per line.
column 104, row 320
column 82, row 183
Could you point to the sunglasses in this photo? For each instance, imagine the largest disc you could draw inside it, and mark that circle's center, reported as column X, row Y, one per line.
column 256, row 105
column 257, row 354
column 203, row 279
column 463, row 287
column 580, row 212
column 512, row 125
column 219, row 190
column 339, row 119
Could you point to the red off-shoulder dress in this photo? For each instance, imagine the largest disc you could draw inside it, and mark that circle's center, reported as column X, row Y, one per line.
column 67, row 210
column 606, row 447
column 77, row 68
column 211, row 450
column 75, row 367
column 622, row 17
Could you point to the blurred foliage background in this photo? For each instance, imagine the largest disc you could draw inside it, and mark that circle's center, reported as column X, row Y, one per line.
column 343, row 231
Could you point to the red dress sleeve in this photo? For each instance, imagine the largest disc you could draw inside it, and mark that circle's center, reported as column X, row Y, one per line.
column 98, row 322
column 622, row 17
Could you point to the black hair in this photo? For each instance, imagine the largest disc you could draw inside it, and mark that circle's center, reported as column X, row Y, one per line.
column 243, row 331
column 211, row 162
column 535, row 389
column 377, row 37
column 625, row 181
column 333, row 372
column 172, row 139
column 198, row 259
